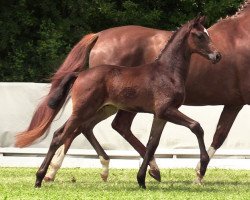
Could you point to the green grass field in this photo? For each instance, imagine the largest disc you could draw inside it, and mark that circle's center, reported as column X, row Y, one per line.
column 17, row 183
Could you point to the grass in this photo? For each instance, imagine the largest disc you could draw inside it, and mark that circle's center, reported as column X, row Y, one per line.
column 17, row 183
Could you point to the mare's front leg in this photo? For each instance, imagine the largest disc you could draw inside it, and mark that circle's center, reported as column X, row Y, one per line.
column 224, row 125
column 152, row 144
column 175, row 116
column 122, row 124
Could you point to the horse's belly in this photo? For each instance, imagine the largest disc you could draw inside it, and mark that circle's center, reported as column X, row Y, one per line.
column 212, row 95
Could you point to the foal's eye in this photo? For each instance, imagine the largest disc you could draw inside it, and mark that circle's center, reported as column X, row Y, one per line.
column 200, row 36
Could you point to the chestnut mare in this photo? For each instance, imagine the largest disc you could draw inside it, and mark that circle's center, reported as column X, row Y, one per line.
column 157, row 88
column 226, row 84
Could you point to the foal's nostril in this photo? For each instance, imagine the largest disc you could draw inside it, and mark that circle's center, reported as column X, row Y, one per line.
column 218, row 56
column 215, row 57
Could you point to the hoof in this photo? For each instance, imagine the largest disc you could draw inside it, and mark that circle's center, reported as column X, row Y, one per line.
column 141, row 182
column 104, row 177
column 199, row 178
column 73, row 179
column 143, row 186
column 38, row 185
column 198, row 181
column 155, row 173
column 48, row 179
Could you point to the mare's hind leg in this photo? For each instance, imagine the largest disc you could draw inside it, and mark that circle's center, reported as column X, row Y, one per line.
column 104, row 158
column 224, row 125
column 58, row 139
column 122, row 124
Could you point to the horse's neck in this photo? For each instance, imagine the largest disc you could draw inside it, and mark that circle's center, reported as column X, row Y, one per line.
column 234, row 24
column 243, row 13
column 176, row 58
column 244, row 10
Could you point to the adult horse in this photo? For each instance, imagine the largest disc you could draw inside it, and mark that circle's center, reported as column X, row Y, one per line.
column 157, row 88
column 226, row 84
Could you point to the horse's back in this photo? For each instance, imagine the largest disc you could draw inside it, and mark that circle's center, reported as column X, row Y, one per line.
column 128, row 46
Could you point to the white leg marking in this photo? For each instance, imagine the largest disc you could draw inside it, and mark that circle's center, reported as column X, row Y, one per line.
column 153, row 165
column 56, row 163
column 105, row 167
column 211, row 151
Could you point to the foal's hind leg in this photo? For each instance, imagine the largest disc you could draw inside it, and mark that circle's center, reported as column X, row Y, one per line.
column 58, row 158
column 58, row 139
column 122, row 124
column 224, row 125
column 87, row 130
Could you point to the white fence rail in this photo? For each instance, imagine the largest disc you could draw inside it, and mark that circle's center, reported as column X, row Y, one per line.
column 177, row 148
column 171, row 158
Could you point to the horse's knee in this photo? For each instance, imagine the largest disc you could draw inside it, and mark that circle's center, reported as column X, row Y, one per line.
column 55, row 143
column 115, row 125
column 196, row 128
column 120, row 128
column 219, row 137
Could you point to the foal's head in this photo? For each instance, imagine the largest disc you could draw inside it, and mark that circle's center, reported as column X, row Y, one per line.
column 199, row 40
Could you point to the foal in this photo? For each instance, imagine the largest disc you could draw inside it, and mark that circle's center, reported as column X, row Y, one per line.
column 156, row 88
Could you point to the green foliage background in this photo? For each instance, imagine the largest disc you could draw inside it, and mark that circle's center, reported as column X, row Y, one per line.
column 35, row 36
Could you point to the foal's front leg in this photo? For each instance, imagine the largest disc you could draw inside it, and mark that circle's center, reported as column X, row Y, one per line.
column 153, row 142
column 175, row 116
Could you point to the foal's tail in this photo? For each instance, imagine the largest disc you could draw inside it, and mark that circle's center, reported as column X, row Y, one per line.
column 62, row 91
column 61, row 83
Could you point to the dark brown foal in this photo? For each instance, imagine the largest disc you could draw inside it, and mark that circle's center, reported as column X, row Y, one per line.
column 157, row 88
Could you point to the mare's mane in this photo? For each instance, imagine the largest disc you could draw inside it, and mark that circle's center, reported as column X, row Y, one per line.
column 241, row 9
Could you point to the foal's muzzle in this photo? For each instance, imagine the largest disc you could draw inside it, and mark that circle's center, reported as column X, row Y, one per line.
column 215, row 57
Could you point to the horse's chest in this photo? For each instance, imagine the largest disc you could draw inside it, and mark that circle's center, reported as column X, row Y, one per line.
column 178, row 98
column 172, row 94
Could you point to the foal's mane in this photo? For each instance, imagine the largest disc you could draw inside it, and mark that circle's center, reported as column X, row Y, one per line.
column 175, row 33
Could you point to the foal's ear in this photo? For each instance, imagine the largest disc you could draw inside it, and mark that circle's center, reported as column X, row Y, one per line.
column 202, row 20
column 199, row 20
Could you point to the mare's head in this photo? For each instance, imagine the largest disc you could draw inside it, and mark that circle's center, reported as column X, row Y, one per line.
column 199, row 40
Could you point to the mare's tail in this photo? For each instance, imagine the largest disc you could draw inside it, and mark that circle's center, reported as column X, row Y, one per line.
column 44, row 115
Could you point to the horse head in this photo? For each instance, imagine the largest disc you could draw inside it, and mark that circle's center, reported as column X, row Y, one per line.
column 199, row 40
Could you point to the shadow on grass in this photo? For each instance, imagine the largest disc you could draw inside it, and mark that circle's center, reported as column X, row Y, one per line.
column 166, row 186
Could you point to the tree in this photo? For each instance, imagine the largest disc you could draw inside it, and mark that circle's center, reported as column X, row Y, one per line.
column 35, row 36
